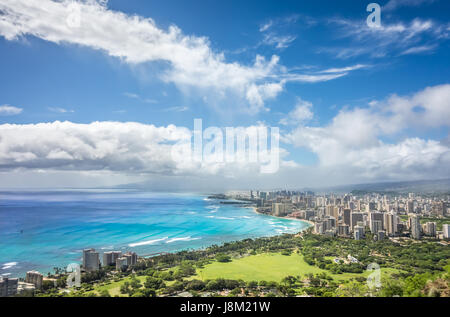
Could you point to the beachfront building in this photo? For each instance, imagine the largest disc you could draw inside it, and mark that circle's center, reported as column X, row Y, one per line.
column 35, row 278
column 131, row 258
column 25, row 287
column 8, row 286
column 121, row 264
column 109, row 258
column 91, row 260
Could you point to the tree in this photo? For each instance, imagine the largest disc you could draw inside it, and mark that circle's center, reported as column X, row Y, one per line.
column 104, row 293
column 154, row 283
column 353, row 289
column 391, row 288
column 223, row 258
column 125, row 288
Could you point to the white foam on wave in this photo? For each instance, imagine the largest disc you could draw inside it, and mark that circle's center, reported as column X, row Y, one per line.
column 220, row 217
column 148, row 242
column 9, row 265
column 182, row 239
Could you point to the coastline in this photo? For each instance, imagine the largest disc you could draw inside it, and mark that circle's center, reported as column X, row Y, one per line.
column 311, row 223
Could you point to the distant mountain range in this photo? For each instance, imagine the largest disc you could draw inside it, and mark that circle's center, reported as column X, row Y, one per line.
column 423, row 186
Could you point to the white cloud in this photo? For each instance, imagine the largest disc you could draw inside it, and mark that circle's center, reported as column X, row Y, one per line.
column 352, row 142
column 176, row 109
column 279, row 41
column 264, row 27
column 127, row 148
column 137, row 97
column 60, row 110
column 419, row 49
column 7, row 110
column 97, row 146
column 314, row 78
column 188, row 61
column 301, row 113
column 389, row 39
column 395, row 4
column 344, row 69
column 135, row 40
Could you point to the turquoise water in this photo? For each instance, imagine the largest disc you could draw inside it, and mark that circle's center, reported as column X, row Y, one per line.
column 43, row 230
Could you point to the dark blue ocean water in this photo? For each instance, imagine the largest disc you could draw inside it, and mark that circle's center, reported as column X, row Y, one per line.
column 41, row 230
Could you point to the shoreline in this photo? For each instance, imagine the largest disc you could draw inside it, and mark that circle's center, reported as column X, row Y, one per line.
column 311, row 223
column 62, row 265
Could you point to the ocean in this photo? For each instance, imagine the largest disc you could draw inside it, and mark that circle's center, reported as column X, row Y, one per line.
column 40, row 230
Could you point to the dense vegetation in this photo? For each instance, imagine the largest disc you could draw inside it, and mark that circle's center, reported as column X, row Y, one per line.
column 416, row 269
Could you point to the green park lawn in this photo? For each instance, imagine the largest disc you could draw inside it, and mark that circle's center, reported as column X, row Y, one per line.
column 114, row 287
column 270, row 267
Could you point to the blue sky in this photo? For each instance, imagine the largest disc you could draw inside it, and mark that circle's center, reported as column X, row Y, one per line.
column 318, row 57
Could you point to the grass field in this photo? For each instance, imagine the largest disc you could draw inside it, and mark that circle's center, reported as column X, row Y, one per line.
column 262, row 267
column 270, row 267
column 114, row 287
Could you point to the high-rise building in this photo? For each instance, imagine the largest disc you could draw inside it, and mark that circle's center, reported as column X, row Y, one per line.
column 415, row 227
column 358, row 232
column 109, row 258
column 355, row 217
column 331, row 222
column 329, row 210
column 390, row 223
column 318, row 228
column 446, row 229
column 347, row 216
column 131, row 258
column 370, row 206
column 121, row 263
column 430, row 229
column 410, row 206
column 91, row 260
column 310, row 214
column 376, row 221
column 8, row 286
column 344, row 230
column 336, row 213
column 381, row 235
column 35, row 278
column 278, row 209
column 375, row 226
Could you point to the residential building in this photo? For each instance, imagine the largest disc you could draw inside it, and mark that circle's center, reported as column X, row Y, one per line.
column 8, row 286
column 109, row 258
column 446, row 230
column 35, row 278
column 91, row 260
column 415, row 227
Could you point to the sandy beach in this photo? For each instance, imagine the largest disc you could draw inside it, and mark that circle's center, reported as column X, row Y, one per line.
column 255, row 209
